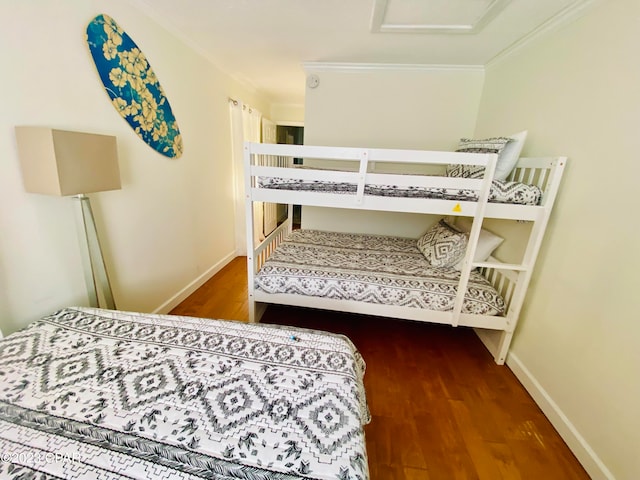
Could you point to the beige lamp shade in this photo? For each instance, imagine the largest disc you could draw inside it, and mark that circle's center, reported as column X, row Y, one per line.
column 61, row 162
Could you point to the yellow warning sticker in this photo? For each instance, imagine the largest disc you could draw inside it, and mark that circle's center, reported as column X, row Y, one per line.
column 457, row 208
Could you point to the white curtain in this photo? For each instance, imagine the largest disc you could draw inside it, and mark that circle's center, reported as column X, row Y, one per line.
column 245, row 127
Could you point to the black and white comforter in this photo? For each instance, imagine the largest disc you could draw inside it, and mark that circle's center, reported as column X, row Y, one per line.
column 370, row 268
column 501, row 191
column 89, row 394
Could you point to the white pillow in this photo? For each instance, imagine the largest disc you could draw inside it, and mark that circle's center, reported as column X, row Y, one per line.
column 509, row 155
column 487, row 242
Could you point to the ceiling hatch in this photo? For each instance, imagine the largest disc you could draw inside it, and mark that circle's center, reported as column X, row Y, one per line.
column 434, row 16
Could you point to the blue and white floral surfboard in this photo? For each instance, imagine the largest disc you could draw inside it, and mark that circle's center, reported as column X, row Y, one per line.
column 132, row 86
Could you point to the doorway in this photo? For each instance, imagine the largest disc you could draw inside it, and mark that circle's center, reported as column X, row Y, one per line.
column 292, row 135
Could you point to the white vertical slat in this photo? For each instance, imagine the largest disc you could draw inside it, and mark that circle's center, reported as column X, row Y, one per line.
column 542, row 178
column 362, row 175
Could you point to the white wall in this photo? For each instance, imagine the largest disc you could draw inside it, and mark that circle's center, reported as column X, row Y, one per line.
column 577, row 91
column 355, row 106
column 165, row 231
column 287, row 114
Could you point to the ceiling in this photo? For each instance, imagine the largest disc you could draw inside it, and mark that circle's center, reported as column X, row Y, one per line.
column 265, row 43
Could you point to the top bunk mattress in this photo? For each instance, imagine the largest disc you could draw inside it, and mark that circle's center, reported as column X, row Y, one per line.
column 370, row 268
column 509, row 192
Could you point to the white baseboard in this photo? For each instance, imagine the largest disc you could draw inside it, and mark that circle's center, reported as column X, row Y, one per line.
column 179, row 297
column 578, row 445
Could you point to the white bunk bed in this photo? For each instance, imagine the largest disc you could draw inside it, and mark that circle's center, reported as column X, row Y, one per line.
column 510, row 280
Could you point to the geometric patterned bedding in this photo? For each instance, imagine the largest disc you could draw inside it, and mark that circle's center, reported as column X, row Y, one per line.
column 501, row 191
column 92, row 394
column 370, row 268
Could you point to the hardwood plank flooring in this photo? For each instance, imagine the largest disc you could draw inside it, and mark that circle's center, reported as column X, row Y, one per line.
column 441, row 408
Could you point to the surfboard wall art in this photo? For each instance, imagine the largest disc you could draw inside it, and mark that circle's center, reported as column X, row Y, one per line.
column 133, row 86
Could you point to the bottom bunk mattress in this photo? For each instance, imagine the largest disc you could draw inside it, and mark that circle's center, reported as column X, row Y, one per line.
column 370, row 268
column 89, row 393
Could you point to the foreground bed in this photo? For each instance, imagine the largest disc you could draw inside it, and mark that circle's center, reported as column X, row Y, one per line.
column 89, row 393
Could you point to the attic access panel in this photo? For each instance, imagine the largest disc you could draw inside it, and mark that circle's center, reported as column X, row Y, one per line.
column 434, row 16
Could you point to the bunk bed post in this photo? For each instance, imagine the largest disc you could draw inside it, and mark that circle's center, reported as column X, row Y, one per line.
column 290, row 218
column 529, row 259
column 249, row 233
column 522, row 284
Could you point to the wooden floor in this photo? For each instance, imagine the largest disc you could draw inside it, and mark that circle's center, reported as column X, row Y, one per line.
column 441, row 408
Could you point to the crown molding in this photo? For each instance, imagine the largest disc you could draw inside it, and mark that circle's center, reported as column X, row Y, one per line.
column 389, row 67
column 570, row 13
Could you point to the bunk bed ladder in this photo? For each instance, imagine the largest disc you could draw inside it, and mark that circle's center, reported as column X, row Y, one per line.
column 525, row 272
column 474, row 234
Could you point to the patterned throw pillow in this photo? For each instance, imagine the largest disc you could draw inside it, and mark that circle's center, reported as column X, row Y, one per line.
column 488, row 145
column 442, row 245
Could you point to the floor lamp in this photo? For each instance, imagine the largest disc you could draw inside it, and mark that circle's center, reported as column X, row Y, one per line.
column 65, row 163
